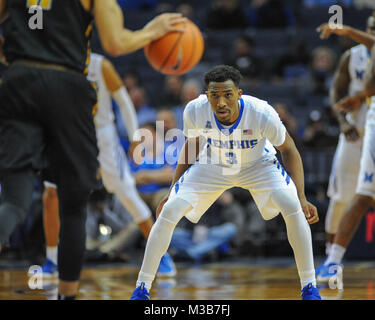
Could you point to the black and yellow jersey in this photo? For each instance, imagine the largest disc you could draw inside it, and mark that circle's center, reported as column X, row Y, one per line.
column 62, row 36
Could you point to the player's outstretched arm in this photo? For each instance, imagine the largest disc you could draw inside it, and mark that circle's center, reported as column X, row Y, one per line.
column 293, row 164
column 356, row 35
column 117, row 40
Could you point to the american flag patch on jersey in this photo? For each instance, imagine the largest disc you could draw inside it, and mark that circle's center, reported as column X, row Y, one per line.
column 247, row 132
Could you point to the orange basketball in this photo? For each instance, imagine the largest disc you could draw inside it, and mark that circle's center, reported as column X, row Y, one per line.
column 176, row 52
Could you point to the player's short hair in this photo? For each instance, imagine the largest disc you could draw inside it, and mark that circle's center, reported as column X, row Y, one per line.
column 223, row 73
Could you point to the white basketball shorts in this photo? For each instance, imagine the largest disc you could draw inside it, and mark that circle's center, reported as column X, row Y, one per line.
column 345, row 169
column 202, row 184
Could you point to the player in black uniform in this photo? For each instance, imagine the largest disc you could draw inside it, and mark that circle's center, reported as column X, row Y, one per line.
column 46, row 111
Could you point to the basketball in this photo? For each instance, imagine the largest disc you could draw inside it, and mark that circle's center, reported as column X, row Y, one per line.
column 176, row 52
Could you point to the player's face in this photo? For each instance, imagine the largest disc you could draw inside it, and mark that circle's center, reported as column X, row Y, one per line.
column 371, row 25
column 223, row 97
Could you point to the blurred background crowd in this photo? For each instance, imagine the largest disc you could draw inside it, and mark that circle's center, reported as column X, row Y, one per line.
column 275, row 45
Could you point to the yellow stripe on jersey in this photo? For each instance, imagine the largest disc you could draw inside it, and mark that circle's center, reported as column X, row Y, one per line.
column 44, row 4
column 87, row 34
column 95, row 109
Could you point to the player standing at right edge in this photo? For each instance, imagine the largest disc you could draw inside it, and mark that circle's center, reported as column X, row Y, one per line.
column 348, row 80
column 239, row 131
column 365, row 191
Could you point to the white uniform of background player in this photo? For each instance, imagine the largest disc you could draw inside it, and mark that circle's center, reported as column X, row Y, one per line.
column 366, row 176
column 241, row 155
column 114, row 166
column 345, row 166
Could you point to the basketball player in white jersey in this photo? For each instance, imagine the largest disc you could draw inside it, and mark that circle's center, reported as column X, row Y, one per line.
column 114, row 166
column 365, row 187
column 348, row 80
column 238, row 134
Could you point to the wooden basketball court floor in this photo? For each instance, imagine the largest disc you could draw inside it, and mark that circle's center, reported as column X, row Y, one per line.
column 241, row 280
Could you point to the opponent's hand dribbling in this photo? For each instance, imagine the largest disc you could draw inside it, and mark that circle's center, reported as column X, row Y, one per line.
column 164, row 23
column 310, row 211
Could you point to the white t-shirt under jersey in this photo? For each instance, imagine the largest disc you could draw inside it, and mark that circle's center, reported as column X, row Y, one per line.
column 257, row 129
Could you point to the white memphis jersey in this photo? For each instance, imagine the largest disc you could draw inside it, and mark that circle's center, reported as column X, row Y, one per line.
column 104, row 115
column 358, row 63
column 257, row 129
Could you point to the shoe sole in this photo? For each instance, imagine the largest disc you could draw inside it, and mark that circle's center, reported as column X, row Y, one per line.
column 166, row 274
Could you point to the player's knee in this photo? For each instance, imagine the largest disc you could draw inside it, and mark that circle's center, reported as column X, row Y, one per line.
column 174, row 210
column 286, row 201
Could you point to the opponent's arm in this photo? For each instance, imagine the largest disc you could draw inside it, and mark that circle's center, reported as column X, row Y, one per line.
column 117, row 40
column 293, row 165
column 3, row 10
column 356, row 35
column 339, row 90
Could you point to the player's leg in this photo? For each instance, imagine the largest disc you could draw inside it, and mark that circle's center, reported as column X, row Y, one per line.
column 298, row 232
column 16, row 194
column 274, row 192
column 117, row 178
column 160, row 238
column 191, row 196
column 355, row 210
column 124, row 188
column 73, row 157
column 342, row 184
column 21, row 146
column 51, row 225
column 333, row 218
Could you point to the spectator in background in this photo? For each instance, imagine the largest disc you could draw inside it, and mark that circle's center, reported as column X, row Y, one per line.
column 225, row 15
column 326, row 3
column 108, row 231
column 245, row 60
column 191, row 89
column 294, row 64
column 288, row 120
column 153, row 170
column 320, row 75
column 172, row 135
column 187, row 10
column 145, row 113
column 131, row 80
column 171, row 94
column 270, row 14
column 316, row 134
column 361, row 4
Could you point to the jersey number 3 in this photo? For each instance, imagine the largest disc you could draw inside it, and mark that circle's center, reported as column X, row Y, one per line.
column 44, row 4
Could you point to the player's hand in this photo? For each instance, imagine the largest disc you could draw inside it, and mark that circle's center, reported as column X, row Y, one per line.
column 350, row 131
column 310, row 211
column 164, row 23
column 348, row 104
column 161, row 205
column 326, row 30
